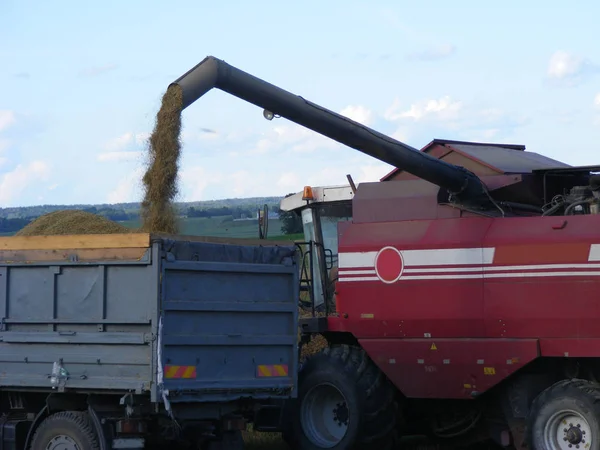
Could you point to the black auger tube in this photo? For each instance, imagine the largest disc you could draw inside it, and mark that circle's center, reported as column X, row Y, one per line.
column 215, row 73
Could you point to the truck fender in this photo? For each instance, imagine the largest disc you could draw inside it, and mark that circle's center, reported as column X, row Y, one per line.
column 45, row 412
column 98, row 426
column 36, row 423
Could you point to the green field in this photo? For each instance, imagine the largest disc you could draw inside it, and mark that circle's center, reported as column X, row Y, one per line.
column 224, row 227
column 221, row 227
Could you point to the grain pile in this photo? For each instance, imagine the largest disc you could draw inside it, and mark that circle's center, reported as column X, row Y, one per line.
column 160, row 180
column 71, row 222
column 317, row 343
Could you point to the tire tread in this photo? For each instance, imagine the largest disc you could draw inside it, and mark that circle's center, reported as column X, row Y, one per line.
column 562, row 387
column 79, row 419
column 379, row 395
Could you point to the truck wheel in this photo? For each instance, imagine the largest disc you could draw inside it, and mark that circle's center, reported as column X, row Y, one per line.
column 566, row 416
column 344, row 402
column 66, row 431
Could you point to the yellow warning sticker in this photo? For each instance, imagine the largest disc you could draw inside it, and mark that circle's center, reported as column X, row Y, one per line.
column 433, row 347
column 489, row 371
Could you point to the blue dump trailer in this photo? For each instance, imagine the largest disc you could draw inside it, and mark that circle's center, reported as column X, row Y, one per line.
column 137, row 340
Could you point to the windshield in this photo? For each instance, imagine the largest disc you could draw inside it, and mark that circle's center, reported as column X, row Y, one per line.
column 330, row 215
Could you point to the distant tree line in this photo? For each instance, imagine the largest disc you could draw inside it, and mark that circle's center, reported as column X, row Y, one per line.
column 128, row 211
column 236, row 212
column 15, row 218
column 291, row 222
column 13, row 225
column 113, row 214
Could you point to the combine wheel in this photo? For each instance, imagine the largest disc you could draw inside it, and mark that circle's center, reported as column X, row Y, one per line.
column 66, row 431
column 566, row 416
column 344, row 403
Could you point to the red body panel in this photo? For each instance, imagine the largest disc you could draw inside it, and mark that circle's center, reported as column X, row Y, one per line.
column 490, row 289
column 449, row 368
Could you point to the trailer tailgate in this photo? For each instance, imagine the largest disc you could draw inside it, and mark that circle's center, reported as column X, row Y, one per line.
column 229, row 322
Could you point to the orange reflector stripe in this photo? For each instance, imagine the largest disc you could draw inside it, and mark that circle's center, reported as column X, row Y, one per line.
column 180, row 372
column 277, row 370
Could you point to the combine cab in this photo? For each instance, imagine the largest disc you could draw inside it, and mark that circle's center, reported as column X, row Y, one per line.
column 321, row 209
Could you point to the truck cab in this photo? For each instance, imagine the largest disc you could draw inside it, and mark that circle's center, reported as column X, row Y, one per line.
column 321, row 208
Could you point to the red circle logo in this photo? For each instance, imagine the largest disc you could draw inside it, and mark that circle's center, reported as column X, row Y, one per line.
column 389, row 265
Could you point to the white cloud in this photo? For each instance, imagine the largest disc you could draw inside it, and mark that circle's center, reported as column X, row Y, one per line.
column 569, row 69
column 288, row 180
column 116, row 149
column 294, row 138
column 4, row 144
column 203, row 135
column 120, row 142
column 373, row 172
column 7, row 119
column 433, row 53
column 597, row 101
column 563, row 65
column 447, row 117
column 245, row 183
column 98, row 70
column 118, row 156
column 333, row 175
column 13, row 183
column 127, row 190
column 141, row 138
column 401, row 134
column 125, row 140
column 359, row 114
column 443, row 108
column 194, row 180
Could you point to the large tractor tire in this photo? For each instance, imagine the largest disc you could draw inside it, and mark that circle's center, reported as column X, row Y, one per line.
column 66, row 431
column 344, row 403
column 566, row 416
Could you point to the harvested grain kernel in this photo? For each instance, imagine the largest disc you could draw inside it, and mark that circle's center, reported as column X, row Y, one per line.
column 160, row 180
column 71, row 221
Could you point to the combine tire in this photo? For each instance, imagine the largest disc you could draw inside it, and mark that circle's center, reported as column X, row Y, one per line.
column 344, row 403
column 66, row 431
column 566, row 416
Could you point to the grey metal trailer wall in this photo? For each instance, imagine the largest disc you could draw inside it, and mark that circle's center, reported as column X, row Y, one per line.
column 227, row 310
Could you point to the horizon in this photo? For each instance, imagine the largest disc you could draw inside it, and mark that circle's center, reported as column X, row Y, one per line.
column 138, row 202
column 73, row 133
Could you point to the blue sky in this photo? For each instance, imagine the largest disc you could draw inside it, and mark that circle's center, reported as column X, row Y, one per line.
column 80, row 85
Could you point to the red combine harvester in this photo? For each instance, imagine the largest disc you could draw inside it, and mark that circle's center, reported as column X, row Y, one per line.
column 466, row 304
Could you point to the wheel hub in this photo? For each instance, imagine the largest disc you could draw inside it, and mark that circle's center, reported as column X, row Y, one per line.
column 324, row 415
column 62, row 442
column 567, row 430
column 574, row 435
column 340, row 414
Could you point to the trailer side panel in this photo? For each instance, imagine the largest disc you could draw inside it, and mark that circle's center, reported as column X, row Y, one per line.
column 90, row 324
column 229, row 325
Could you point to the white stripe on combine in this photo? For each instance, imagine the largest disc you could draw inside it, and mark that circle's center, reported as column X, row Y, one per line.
column 357, row 259
column 359, row 279
column 433, row 257
column 594, row 252
column 503, row 268
column 482, row 276
column 357, row 272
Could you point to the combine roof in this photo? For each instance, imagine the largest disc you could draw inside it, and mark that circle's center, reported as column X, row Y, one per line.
column 502, row 158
